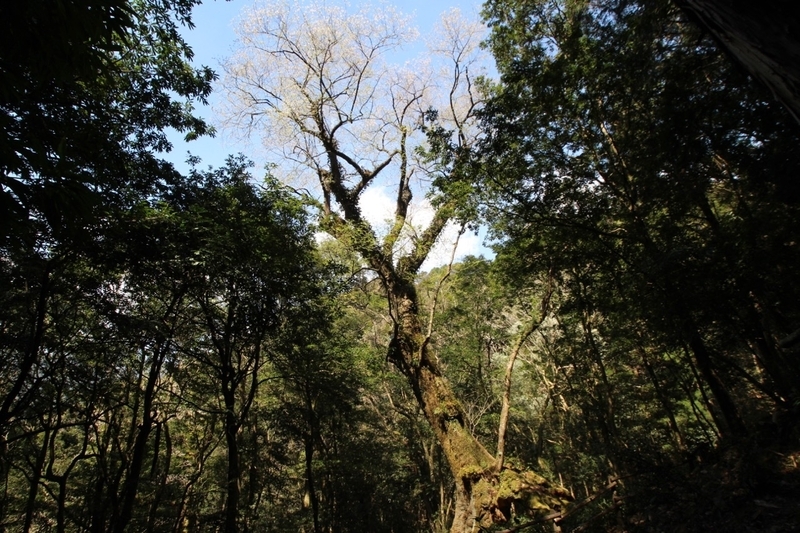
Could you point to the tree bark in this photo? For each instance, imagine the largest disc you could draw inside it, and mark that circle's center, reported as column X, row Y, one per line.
column 484, row 493
column 764, row 39
column 234, row 470
column 735, row 425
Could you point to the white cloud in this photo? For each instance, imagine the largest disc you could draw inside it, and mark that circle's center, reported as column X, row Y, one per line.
column 377, row 207
column 468, row 244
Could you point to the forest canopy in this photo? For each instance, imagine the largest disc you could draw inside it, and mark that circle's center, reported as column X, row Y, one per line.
column 231, row 349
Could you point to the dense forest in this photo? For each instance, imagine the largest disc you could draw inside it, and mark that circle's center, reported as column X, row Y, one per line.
column 231, row 349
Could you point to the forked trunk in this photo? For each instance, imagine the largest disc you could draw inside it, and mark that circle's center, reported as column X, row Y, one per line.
column 485, row 494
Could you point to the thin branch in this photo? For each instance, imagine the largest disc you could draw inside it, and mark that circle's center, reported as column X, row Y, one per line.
column 435, row 300
column 533, row 325
column 404, row 196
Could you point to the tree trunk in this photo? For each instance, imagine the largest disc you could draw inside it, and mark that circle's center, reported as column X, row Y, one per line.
column 35, row 479
column 131, row 485
column 310, row 437
column 662, row 398
column 234, row 472
column 715, row 424
column 532, row 326
column 484, row 494
column 782, row 370
column 14, row 399
column 764, row 39
column 311, row 490
column 735, row 425
column 163, row 473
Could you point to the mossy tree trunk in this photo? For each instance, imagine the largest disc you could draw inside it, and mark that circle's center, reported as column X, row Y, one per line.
column 484, row 493
column 351, row 119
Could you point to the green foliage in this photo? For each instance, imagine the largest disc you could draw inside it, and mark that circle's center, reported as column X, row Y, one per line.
column 607, row 93
column 88, row 90
column 627, row 157
column 179, row 354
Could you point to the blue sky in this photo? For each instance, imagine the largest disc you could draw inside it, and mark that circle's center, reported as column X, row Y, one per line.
column 213, row 39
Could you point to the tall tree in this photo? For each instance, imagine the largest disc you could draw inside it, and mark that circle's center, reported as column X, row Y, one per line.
column 243, row 258
column 317, row 76
column 582, row 152
column 88, row 89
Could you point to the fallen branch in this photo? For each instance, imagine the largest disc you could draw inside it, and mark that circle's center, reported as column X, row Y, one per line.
column 602, row 513
column 558, row 516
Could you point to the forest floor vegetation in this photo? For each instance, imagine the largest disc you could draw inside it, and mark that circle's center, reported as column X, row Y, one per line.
column 754, row 487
